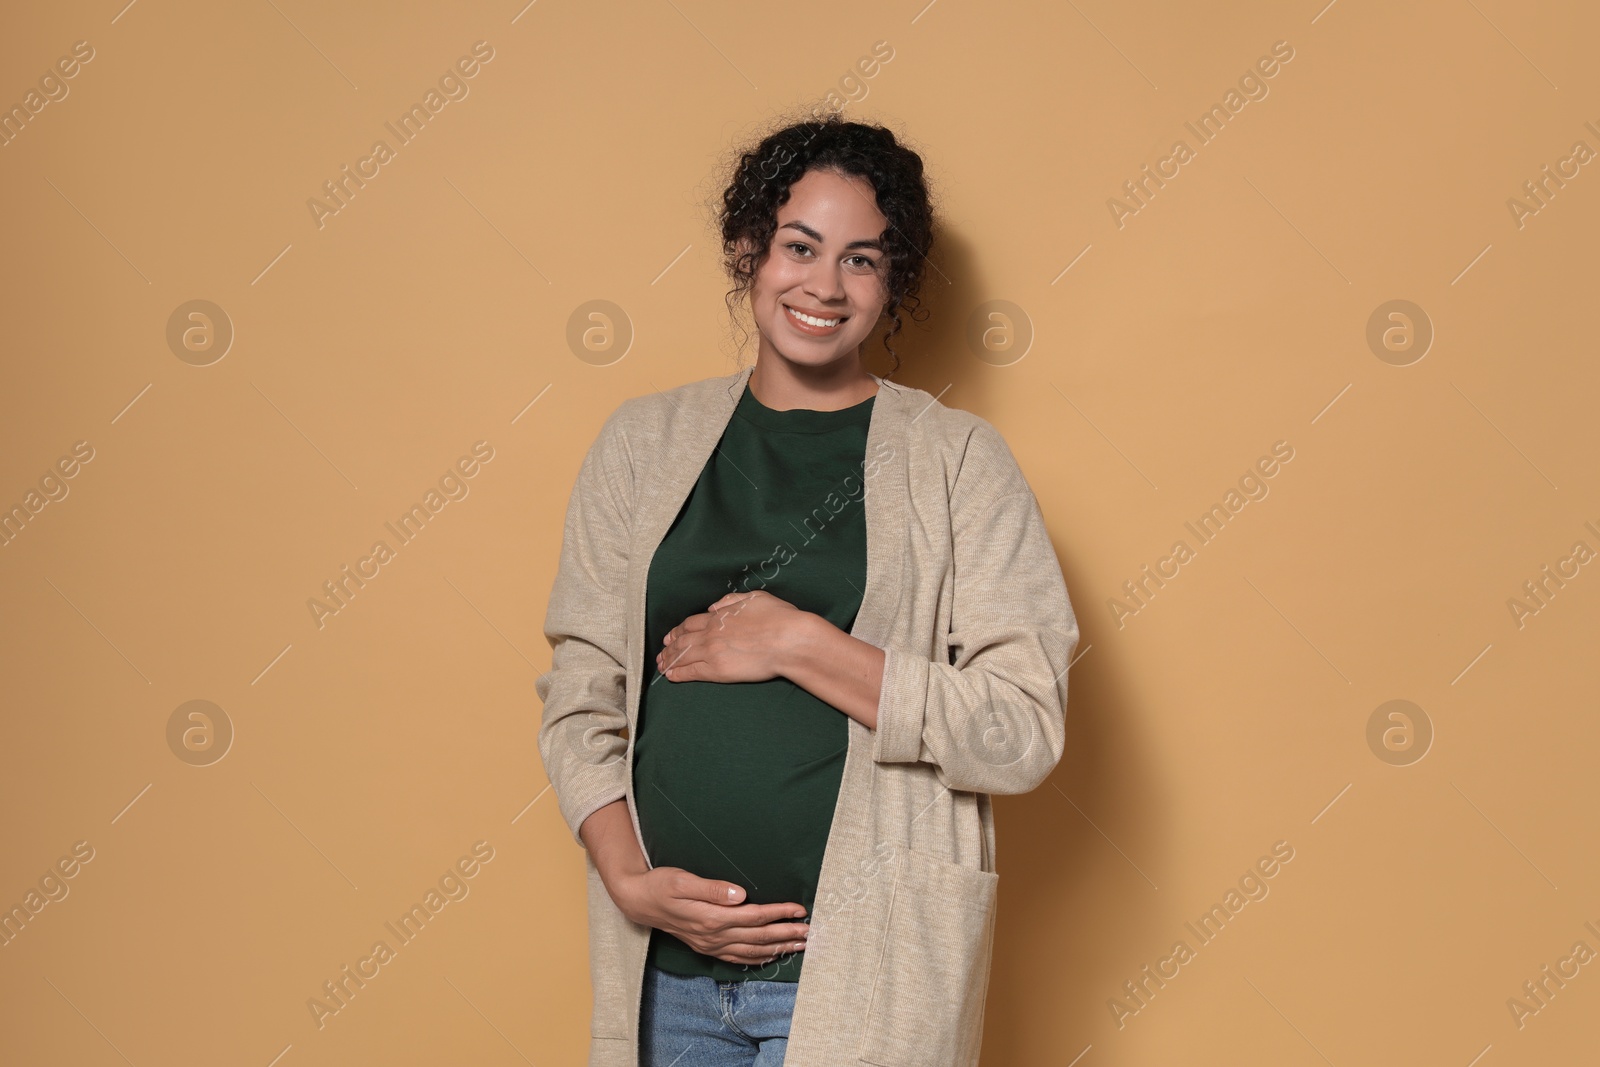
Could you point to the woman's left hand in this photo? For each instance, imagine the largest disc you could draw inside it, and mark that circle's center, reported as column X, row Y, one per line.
column 742, row 637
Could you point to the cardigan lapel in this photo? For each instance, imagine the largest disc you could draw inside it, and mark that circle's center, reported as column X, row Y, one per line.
column 692, row 429
column 884, row 474
column 854, row 813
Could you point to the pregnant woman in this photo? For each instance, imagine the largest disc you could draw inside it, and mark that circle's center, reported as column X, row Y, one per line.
column 806, row 622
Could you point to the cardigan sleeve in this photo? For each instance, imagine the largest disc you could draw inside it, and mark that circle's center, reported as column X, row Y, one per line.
column 584, row 692
column 993, row 719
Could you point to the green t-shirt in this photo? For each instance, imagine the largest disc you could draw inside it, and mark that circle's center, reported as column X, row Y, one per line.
column 739, row 780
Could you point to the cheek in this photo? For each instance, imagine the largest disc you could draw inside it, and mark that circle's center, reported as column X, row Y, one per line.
column 778, row 277
column 866, row 292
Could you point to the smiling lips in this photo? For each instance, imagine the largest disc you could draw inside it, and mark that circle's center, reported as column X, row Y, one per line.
column 813, row 323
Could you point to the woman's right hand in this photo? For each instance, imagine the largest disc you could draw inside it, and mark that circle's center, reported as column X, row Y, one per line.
column 699, row 912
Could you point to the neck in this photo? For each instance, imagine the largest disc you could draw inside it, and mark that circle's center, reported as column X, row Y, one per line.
column 782, row 385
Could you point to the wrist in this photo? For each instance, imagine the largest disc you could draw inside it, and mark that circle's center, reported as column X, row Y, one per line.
column 620, row 886
column 617, row 866
column 622, row 880
column 807, row 635
column 613, row 848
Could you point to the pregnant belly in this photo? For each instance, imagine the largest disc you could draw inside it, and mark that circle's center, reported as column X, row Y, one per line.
column 742, row 790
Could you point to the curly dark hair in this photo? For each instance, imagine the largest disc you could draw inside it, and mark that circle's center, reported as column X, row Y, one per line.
column 761, row 181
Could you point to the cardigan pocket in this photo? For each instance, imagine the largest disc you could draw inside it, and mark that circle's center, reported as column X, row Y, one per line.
column 927, row 999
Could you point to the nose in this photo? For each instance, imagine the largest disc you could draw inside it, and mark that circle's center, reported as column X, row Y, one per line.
column 824, row 284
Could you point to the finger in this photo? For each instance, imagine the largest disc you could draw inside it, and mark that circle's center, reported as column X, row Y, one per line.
column 672, row 656
column 688, row 654
column 772, row 934
column 678, row 631
column 731, row 896
column 747, row 953
column 693, row 622
column 718, row 891
column 682, row 670
column 775, row 938
column 766, row 914
column 775, row 933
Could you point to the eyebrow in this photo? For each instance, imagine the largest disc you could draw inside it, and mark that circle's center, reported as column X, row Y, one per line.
column 817, row 237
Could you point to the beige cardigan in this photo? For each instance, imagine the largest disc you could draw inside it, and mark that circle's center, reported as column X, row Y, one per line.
column 965, row 596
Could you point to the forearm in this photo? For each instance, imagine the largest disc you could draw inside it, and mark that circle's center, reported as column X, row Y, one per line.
column 836, row 668
column 613, row 846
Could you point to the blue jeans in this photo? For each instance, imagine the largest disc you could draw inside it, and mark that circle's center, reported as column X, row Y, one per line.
column 702, row 1022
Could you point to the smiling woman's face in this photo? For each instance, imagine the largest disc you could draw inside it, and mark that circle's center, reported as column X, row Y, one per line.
column 826, row 261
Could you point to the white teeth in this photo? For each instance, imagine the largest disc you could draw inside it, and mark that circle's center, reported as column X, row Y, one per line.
column 813, row 320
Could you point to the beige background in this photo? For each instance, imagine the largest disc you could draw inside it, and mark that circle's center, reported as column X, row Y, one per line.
column 1230, row 312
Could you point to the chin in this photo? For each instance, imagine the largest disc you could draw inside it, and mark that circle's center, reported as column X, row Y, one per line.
column 803, row 358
